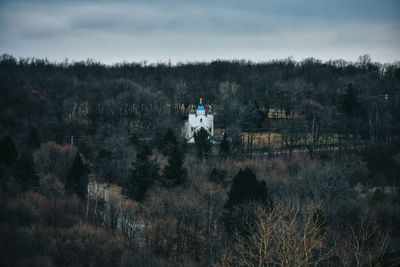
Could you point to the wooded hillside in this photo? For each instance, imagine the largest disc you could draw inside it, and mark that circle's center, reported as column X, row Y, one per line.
column 95, row 170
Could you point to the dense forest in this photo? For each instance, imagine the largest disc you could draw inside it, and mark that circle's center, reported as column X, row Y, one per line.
column 304, row 167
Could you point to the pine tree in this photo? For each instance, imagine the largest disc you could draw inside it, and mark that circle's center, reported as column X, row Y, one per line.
column 143, row 174
column 174, row 173
column 25, row 172
column 168, row 142
column 246, row 188
column 348, row 100
column 225, row 146
column 245, row 194
column 203, row 142
column 8, row 151
column 77, row 180
column 170, row 137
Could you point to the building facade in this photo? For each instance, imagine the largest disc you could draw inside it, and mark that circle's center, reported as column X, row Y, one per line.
column 201, row 118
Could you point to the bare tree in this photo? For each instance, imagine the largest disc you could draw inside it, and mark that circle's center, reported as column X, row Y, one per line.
column 285, row 236
column 313, row 114
column 365, row 246
column 292, row 133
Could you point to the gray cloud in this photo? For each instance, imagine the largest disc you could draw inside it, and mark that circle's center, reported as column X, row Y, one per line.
column 184, row 30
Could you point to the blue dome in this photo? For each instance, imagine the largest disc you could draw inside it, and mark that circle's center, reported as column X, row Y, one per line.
column 200, row 107
column 192, row 110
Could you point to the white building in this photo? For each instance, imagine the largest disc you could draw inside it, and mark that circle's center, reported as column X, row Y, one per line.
column 200, row 119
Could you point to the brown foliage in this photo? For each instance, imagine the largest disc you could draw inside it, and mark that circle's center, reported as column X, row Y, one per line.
column 55, row 159
column 50, row 185
column 85, row 245
column 183, row 225
column 51, row 211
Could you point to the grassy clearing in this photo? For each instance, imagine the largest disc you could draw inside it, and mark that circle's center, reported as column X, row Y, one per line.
column 263, row 139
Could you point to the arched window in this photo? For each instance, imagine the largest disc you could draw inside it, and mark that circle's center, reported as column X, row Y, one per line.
column 201, row 120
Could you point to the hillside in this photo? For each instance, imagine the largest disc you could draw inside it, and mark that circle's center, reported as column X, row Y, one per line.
column 95, row 170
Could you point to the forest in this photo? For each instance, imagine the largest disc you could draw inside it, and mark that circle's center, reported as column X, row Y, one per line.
column 303, row 169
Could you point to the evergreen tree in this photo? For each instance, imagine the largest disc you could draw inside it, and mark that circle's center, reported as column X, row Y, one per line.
column 243, row 197
column 168, row 142
column 169, row 137
column 246, row 188
column 77, row 180
column 174, row 173
column 225, row 146
column 143, row 174
column 8, row 151
column 203, row 142
column 104, row 166
column 33, row 141
column 25, row 172
column 348, row 100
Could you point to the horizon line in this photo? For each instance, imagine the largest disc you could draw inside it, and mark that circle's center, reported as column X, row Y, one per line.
column 170, row 63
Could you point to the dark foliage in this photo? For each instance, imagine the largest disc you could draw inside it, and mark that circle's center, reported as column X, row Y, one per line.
column 146, row 99
column 217, row 176
column 174, row 172
column 25, row 172
column 8, row 151
column 33, row 141
column 246, row 188
column 383, row 162
column 245, row 194
column 76, row 181
column 143, row 174
column 104, row 166
column 225, row 146
column 203, row 143
column 167, row 142
column 348, row 100
column 269, row 110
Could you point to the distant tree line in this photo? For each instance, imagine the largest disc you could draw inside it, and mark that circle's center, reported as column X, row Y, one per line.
column 352, row 100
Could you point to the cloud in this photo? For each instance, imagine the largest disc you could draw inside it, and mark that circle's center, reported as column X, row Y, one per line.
column 156, row 30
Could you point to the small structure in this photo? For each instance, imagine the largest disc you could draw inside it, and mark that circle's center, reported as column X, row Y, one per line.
column 200, row 119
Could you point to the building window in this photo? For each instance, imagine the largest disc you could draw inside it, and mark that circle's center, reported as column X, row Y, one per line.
column 201, row 120
column 191, row 129
column 209, row 129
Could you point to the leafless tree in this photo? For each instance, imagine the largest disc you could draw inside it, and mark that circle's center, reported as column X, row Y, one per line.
column 365, row 246
column 284, row 236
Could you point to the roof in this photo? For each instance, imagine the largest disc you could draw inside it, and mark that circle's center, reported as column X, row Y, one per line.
column 200, row 107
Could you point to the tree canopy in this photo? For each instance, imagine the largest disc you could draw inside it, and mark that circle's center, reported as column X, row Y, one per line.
column 76, row 181
column 143, row 174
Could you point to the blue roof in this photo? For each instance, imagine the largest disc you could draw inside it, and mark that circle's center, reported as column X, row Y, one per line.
column 200, row 107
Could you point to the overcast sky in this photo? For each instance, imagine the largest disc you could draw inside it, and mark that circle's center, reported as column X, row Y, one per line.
column 203, row 30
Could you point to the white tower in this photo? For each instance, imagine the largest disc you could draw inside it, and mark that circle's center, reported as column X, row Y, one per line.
column 200, row 119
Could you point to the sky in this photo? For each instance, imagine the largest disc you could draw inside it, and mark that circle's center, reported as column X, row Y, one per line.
column 204, row 30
